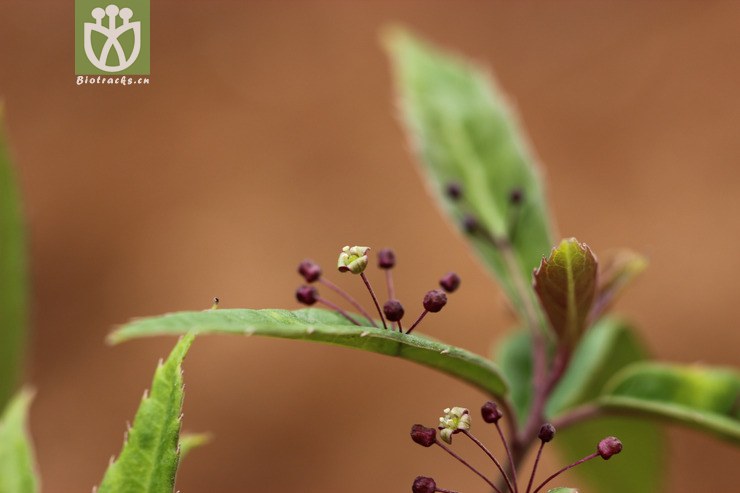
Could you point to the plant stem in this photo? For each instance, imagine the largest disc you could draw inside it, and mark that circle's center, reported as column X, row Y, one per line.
column 492, row 457
column 338, row 310
column 534, row 468
column 423, row 314
column 512, row 468
column 347, row 297
column 375, row 300
column 442, row 490
column 581, row 461
column 580, row 413
column 476, row 471
column 389, row 284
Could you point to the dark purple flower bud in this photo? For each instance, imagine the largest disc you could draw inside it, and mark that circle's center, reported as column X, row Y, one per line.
column 470, row 224
column 450, row 282
column 547, row 433
column 426, row 437
column 393, row 310
column 609, row 446
column 516, row 196
column 386, row 258
column 434, row 300
column 454, row 190
column 307, row 295
column 309, row 270
column 490, row 412
column 423, row 484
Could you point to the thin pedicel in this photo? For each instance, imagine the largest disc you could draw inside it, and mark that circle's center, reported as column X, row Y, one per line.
column 457, row 420
column 355, row 260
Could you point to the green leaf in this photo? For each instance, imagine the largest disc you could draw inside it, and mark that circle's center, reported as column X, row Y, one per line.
column 606, row 348
column 149, row 459
column 702, row 397
column 638, row 469
column 565, row 283
column 190, row 441
column 318, row 325
column 514, row 356
column 465, row 133
column 562, row 490
column 17, row 463
column 615, row 273
column 13, row 276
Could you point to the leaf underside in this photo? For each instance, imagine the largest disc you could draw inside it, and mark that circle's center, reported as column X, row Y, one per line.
column 464, row 132
column 149, row 459
column 17, row 463
column 13, row 276
column 313, row 324
column 698, row 396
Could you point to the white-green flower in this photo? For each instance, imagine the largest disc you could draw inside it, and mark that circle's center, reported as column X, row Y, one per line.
column 454, row 421
column 353, row 259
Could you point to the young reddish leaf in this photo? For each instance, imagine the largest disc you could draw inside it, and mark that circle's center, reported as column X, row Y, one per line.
column 616, row 272
column 565, row 283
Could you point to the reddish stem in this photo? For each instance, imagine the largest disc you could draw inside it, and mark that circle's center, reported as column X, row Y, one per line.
column 581, row 461
column 423, row 314
column 341, row 292
column 338, row 310
column 375, row 299
column 476, row 471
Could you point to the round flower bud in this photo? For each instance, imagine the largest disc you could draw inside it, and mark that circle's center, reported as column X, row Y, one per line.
column 423, row 436
column 434, row 300
column 423, row 485
column 454, row 421
column 609, row 446
column 470, row 224
column 490, row 412
column 386, row 258
column 547, row 433
column 454, row 190
column 353, row 259
column 516, row 196
column 309, row 270
column 393, row 310
column 450, row 282
column 307, row 295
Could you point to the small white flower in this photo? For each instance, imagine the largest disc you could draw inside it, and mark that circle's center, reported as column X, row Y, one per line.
column 353, row 259
column 454, row 421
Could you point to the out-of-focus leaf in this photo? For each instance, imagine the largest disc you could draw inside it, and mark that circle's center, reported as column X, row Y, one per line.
column 17, row 463
column 615, row 273
column 13, row 276
column 565, row 283
column 562, row 490
column 313, row 324
column 698, row 396
column 190, row 441
column 606, row 348
column 149, row 459
column 638, row 469
column 514, row 356
column 465, row 133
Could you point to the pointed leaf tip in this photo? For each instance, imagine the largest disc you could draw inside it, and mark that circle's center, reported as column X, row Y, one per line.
column 565, row 283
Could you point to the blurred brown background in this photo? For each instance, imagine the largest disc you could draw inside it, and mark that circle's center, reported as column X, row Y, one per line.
column 242, row 157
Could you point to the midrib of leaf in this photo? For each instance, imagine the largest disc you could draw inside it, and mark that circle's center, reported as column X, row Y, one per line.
column 572, row 308
column 319, row 325
column 162, row 434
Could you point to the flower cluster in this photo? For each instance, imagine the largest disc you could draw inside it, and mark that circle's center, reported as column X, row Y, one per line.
column 354, row 259
column 457, row 420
